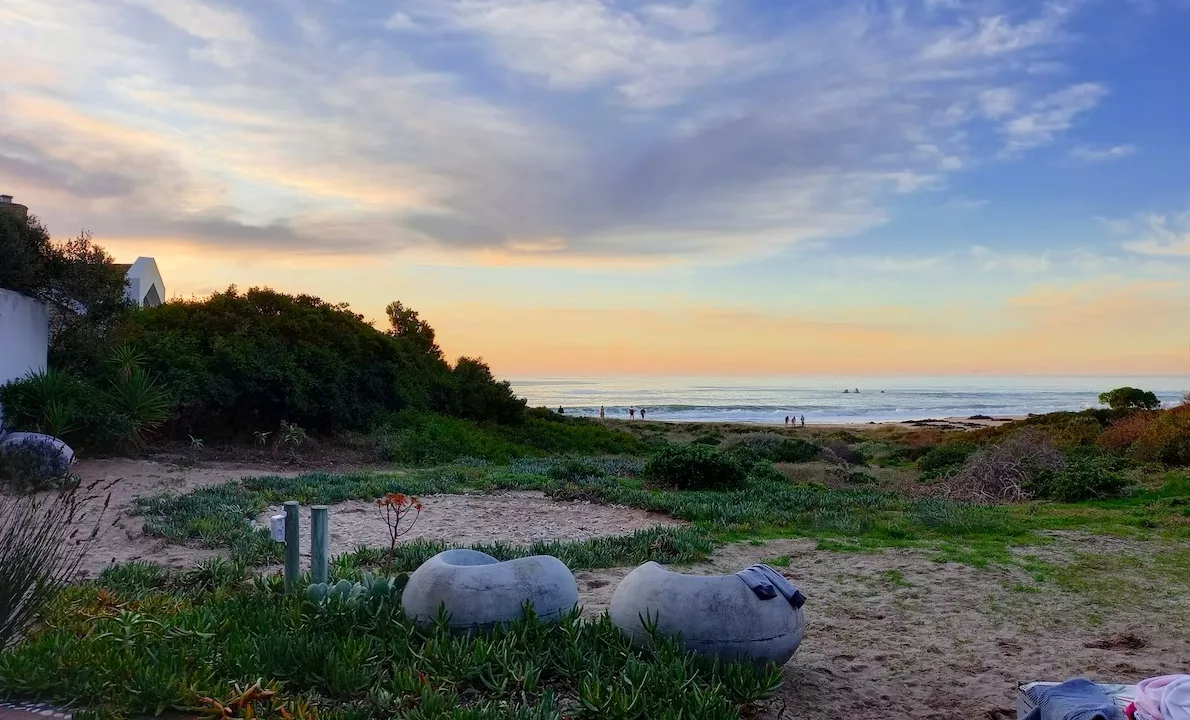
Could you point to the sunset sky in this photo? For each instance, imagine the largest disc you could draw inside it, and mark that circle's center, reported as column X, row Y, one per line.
column 603, row 186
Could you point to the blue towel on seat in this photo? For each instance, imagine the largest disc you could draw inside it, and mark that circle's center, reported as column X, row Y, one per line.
column 1077, row 699
column 767, row 583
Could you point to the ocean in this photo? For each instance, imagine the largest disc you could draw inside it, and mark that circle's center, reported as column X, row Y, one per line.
column 768, row 400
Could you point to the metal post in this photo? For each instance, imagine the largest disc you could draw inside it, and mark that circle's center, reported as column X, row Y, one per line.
column 293, row 558
column 320, row 543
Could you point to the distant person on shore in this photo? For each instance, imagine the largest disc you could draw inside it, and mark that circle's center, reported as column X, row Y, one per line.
column 561, row 411
column 600, row 412
column 642, row 413
column 631, row 413
column 786, row 419
column 803, row 420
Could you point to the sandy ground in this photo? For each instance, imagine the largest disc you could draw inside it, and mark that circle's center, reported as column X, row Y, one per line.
column 896, row 634
column 891, row 634
column 518, row 518
column 121, row 539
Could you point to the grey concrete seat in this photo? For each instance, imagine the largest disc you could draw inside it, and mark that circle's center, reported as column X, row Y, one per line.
column 480, row 592
column 716, row 615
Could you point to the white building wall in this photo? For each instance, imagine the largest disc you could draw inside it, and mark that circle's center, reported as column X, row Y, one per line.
column 24, row 336
column 143, row 276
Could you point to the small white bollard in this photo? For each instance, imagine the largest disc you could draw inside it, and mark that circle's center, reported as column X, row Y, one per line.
column 277, row 528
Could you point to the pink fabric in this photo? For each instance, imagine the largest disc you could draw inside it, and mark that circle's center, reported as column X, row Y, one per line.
column 1166, row 697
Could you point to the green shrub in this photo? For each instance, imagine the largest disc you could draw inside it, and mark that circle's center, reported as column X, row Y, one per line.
column 1086, row 476
column 943, row 458
column 479, row 396
column 421, row 439
column 707, row 440
column 796, row 450
column 574, row 469
column 772, row 446
column 695, row 467
column 60, row 404
column 70, row 407
column 839, row 450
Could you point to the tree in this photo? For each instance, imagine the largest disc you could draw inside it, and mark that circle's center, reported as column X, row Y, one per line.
column 406, row 325
column 1130, row 398
column 76, row 279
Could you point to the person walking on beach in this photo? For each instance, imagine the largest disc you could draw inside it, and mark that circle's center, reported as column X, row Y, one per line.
column 642, row 413
column 600, row 412
column 561, row 411
column 803, row 420
column 631, row 413
column 787, row 420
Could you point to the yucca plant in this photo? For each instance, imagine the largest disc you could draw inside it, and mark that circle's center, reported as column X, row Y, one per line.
column 125, row 359
column 137, row 396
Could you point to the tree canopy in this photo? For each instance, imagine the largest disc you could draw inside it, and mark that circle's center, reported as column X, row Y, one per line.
column 1130, row 398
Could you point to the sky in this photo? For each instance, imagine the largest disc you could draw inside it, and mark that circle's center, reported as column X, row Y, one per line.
column 596, row 187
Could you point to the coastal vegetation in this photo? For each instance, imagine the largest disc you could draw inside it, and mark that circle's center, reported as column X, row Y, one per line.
column 286, row 378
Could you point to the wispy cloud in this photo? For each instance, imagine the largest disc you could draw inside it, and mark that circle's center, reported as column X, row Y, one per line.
column 516, row 130
column 1051, row 115
column 1164, row 235
column 1089, row 154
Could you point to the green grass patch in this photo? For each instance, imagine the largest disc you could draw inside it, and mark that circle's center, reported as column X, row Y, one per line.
column 138, row 643
column 425, row 439
column 766, row 506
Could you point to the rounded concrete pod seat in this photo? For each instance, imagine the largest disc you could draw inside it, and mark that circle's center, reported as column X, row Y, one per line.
column 715, row 615
column 480, row 592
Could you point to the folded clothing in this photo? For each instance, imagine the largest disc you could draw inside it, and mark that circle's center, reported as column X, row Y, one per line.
column 1077, row 699
column 1166, row 697
column 767, row 583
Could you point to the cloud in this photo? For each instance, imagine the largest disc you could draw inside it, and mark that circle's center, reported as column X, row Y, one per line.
column 1088, row 154
column 1051, row 115
column 400, row 21
column 1164, row 235
column 522, row 131
column 990, row 259
column 997, row 102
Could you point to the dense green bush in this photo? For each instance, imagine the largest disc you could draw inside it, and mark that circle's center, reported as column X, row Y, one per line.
column 479, row 396
column 774, row 447
column 1088, row 475
column 943, row 458
column 119, row 413
column 574, row 469
column 243, row 362
column 695, row 467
